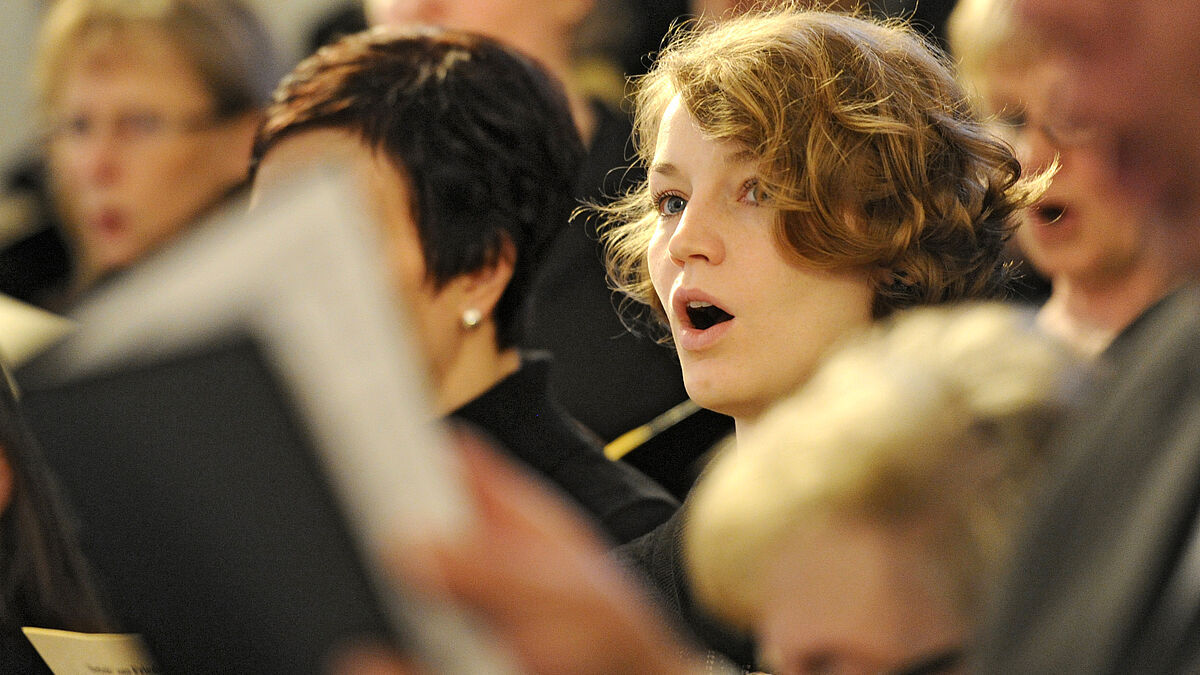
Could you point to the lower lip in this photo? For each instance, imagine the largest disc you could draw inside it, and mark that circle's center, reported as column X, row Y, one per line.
column 695, row 340
column 108, row 224
column 1059, row 230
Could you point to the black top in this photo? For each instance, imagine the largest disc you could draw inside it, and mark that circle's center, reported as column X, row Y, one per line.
column 521, row 415
column 18, row 657
column 657, row 558
column 1103, row 580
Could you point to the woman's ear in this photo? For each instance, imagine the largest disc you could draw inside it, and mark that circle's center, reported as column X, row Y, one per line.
column 481, row 290
column 237, row 137
column 572, row 12
column 886, row 276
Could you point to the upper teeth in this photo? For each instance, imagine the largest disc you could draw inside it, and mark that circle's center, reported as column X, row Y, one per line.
column 697, row 304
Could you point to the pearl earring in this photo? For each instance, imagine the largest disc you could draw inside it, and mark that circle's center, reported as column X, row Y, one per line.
column 471, row 318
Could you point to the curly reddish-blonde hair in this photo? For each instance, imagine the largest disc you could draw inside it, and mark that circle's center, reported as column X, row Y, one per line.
column 867, row 146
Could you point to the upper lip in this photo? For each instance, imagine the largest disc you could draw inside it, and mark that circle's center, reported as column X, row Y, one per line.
column 104, row 214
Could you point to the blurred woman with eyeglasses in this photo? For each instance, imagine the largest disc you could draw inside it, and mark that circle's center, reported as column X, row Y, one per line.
column 150, row 110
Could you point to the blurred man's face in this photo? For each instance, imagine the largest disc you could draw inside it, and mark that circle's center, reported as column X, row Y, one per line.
column 524, row 24
column 497, row 18
column 1131, row 81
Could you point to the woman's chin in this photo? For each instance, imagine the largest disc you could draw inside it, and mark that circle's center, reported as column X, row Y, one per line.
column 725, row 402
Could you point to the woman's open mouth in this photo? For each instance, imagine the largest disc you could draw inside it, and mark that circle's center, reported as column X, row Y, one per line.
column 108, row 223
column 700, row 323
column 704, row 315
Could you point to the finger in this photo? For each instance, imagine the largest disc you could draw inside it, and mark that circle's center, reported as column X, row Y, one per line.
column 370, row 661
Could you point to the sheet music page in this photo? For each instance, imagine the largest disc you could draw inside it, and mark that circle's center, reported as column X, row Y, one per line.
column 304, row 275
column 70, row 653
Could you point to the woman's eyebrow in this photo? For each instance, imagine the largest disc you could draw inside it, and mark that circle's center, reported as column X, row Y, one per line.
column 664, row 168
column 741, row 157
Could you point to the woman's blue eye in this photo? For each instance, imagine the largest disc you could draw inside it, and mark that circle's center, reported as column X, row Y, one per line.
column 141, row 124
column 670, row 204
column 755, row 194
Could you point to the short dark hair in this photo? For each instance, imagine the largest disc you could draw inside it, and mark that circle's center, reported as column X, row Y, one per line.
column 484, row 136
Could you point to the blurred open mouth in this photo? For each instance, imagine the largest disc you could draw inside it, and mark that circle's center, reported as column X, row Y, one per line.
column 108, row 223
column 1049, row 214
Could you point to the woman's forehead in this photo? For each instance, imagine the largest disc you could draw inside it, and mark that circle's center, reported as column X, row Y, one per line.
column 131, row 55
column 113, row 45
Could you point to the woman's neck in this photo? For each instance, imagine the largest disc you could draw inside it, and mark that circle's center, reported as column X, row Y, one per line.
column 1089, row 314
column 744, row 424
column 477, row 367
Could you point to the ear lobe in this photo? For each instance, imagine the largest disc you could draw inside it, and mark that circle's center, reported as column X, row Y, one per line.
column 886, row 276
column 574, row 11
column 482, row 288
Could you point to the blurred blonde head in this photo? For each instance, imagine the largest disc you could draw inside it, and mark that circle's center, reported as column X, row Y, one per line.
column 983, row 36
column 936, row 424
column 226, row 43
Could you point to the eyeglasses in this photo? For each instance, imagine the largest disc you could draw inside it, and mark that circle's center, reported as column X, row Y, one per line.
column 1067, row 133
column 140, row 127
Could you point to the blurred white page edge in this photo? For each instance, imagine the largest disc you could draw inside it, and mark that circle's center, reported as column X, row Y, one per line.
column 304, row 275
column 25, row 330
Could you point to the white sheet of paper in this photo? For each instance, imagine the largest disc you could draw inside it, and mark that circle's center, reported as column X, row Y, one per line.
column 25, row 329
column 70, row 653
column 304, row 273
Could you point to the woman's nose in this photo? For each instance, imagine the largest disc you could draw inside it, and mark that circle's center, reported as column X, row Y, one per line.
column 697, row 235
column 404, row 12
column 99, row 160
column 87, row 154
